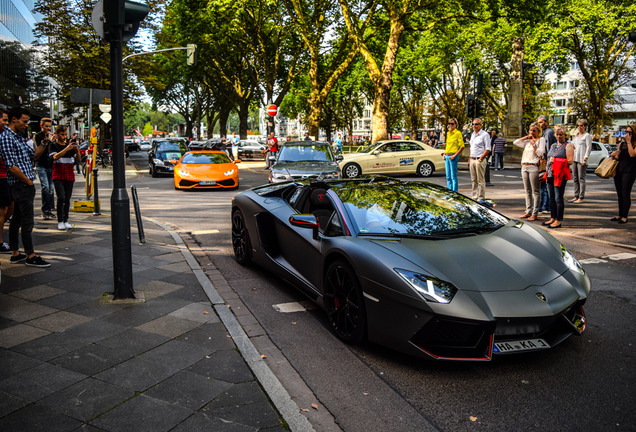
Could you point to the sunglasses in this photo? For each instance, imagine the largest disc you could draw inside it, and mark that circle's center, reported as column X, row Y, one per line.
column 451, row 123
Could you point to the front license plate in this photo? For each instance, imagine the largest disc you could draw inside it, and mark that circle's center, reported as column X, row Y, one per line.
column 520, row 345
column 207, row 182
column 170, row 168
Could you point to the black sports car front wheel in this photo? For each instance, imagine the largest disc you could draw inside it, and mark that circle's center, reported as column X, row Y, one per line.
column 344, row 303
column 240, row 239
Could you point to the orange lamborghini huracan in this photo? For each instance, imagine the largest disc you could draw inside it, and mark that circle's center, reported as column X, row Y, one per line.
column 205, row 169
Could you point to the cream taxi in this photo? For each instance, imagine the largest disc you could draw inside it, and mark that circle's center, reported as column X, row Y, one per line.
column 393, row 157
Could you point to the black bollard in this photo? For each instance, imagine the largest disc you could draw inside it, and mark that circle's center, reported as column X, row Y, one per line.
column 95, row 194
column 140, row 224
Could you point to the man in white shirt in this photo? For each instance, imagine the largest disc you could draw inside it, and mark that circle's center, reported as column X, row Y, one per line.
column 479, row 150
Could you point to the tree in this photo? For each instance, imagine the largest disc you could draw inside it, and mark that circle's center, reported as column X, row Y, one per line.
column 594, row 34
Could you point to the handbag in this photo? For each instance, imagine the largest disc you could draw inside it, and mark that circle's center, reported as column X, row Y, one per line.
column 607, row 168
column 543, row 164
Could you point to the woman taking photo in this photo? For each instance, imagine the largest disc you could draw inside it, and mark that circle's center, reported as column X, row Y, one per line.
column 582, row 146
column 560, row 157
column 625, row 173
column 64, row 156
column 533, row 146
column 454, row 146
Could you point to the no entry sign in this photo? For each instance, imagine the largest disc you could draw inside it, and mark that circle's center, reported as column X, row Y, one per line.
column 272, row 110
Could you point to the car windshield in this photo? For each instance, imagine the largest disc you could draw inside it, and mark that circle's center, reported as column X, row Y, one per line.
column 171, row 146
column 416, row 209
column 305, row 153
column 205, row 158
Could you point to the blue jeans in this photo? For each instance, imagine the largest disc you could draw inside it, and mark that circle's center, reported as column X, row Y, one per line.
column 451, row 172
column 545, row 197
column 46, row 182
column 557, row 202
column 499, row 160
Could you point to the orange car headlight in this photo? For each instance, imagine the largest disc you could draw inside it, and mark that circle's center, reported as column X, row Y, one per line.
column 229, row 173
column 184, row 173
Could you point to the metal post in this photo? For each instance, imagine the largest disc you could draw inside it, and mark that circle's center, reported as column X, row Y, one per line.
column 120, row 204
column 140, row 224
column 95, row 194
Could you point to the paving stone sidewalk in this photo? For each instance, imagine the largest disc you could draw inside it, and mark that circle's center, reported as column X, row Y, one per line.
column 71, row 361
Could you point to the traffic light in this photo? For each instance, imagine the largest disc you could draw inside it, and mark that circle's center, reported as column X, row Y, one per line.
column 123, row 13
column 470, row 105
column 191, row 54
column 479, row 86
column 479, row 107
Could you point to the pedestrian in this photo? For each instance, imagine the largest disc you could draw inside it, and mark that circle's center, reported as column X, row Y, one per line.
column 64, row 155
column 272, row 149
column 582, row 147
column 6, row 199
column 18, row 158
column 560, row 157
column 433, row 141
column 235, row 143
column 498, row 148
column 548, row 136
column 44, row 167
column 625, row 173
column 223, row 147
column 480, row 148
column 75, row 140
column 533, row 146
column 307, row 137
column 338, row 143
column 454, row 147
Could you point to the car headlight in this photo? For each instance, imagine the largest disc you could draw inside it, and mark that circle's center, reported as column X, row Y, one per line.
column 158, row 161
column 570, row 261
column 430, row 288
column 229, row 173
column 184, row 173
column 279, row 176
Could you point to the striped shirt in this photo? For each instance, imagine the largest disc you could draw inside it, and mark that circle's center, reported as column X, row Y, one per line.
column 62, row 167
column 16, row 152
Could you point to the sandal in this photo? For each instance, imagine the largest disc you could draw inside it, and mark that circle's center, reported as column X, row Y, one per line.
column 549, row 222
column 532, row 218
column 622, row 221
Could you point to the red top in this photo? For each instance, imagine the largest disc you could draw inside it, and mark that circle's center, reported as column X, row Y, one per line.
column 273, row 144
column 560, row 170
column 3, row 169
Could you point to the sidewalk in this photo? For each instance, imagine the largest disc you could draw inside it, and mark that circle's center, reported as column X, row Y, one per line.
column 179, row 360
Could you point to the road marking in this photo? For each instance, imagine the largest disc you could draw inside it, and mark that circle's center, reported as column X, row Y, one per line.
column 605, row 258
column 212, row 231
column 294, row 307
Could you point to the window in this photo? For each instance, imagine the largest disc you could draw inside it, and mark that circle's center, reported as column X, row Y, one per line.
column 559, row 102
column 575, row 66
column 561, row 85
column 574, row 84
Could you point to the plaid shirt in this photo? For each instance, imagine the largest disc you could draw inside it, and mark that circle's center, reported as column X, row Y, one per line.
column 16, row 152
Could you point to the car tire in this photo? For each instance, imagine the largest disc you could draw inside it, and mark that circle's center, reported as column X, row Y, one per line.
column 351, row 170
column 425, row 169
column 241, row 239
column 344, row 303
column 153, row 171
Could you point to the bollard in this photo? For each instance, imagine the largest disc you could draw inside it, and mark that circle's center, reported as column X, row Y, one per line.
column 140, row 225
column 95, row 194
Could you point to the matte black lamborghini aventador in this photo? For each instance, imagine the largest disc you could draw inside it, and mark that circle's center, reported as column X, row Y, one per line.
column 414, row 266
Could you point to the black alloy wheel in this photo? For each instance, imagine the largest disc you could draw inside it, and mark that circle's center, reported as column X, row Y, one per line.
column 344, row 303
column 240, row 239
column 425, row 169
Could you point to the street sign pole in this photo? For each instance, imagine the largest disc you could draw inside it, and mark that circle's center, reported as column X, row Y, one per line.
column 120, row 204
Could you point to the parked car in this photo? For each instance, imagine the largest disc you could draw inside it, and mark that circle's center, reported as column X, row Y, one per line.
column 414, row 266
column 206, row 169
column 398, row 157
column 302, row 159
column 131, row 145
column 145, row 146
column 251, row 149
column 164, row 154
column 599, row 152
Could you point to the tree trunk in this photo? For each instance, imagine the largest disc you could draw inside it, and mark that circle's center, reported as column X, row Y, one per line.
column 243, row 113
column 380, row 123
column 223, row 116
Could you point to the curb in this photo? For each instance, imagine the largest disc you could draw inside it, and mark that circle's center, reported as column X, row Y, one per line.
column 272, row 386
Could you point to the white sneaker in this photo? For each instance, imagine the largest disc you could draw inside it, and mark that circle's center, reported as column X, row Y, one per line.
column 68, row 225
column 61, row 226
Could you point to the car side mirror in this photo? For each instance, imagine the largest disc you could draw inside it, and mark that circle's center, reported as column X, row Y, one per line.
column 376, row 152
column 174, row 161
column 305, row 221
column 340, row 158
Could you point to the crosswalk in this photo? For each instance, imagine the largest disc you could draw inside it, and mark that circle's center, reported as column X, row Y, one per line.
column 607, row 258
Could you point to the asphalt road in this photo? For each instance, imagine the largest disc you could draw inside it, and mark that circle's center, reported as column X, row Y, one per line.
column 585, row 384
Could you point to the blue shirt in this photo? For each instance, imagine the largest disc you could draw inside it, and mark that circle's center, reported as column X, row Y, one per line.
column 235, row 141
column 16, row 152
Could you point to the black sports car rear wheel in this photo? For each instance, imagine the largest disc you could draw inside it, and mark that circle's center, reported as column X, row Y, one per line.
column 344, row 303
column 240, row 239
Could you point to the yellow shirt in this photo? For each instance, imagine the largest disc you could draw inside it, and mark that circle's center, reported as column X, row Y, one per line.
column 454, row 141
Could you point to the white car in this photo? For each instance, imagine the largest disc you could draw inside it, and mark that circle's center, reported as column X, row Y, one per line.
column 144, row 146
column 599, row 152
column 398, row 157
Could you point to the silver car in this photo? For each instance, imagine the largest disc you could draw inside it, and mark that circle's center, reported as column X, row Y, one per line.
column 299, row 160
